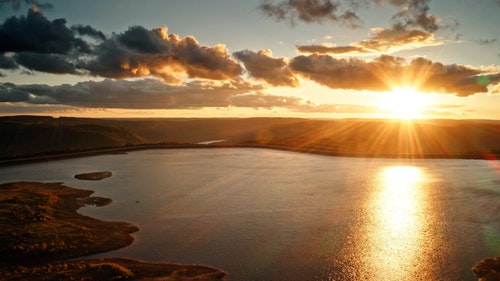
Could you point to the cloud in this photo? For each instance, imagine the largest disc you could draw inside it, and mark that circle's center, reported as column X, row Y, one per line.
column 7, row 62
column 309, row 11
column 381, row 40
column 50, row 63
column 35, row 33
column 412, row 14
column 50, row 46
column 89, row 31
column 337, row 73
column 415, row 14
column 388, row 72
column 397, row 38
column 411, row 27
column 141, row 52
column 261, row 65
column 143, row 94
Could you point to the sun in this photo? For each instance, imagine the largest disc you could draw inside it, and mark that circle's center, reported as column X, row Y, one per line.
column 404, row 103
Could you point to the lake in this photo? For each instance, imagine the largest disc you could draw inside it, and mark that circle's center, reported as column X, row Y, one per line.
column 263, row 214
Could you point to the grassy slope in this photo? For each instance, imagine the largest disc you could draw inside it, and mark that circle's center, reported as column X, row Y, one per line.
column 376, row 138
column 39, row 226
column 39, row 222
column 25, row 135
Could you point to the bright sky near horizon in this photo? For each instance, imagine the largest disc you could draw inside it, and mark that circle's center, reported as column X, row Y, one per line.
column 228, row 58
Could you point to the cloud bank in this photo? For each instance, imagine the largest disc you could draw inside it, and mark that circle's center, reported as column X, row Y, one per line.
column 144, row 94
column 161, row 70
column 51, row 46
column 388, row 72
column 413, row 26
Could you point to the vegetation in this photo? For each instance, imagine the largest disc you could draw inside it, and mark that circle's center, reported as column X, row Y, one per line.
column 25, row 136
column 39, row 228
column 39, row 222
column 110, row 269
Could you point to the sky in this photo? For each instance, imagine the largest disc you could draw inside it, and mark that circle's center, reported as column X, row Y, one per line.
column 263, row 58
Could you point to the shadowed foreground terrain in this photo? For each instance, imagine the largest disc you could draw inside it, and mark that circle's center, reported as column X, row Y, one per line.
column 28, row 136
column 39, row 228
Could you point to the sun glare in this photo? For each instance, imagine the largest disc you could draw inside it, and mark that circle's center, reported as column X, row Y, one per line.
column 404, row 103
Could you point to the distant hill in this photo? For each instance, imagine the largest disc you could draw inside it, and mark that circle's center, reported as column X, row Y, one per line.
column 420, row 138
column 22, row 136
column 28, row 135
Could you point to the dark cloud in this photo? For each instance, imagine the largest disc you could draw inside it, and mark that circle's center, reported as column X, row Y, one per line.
column 143, row 94
column 50, row 46
column 142, row 40
column 89, row 31
column 35, row 33
column 458, row 79
column 50, row 63
column 15, row 4
column 387, row 72
column 140, row 52
column 261, row 65
column 337, row 73
column 412, row 14
column 415, row 14
column 309, row 11
column 7, row 62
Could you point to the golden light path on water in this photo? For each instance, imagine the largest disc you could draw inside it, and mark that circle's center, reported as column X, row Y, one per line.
column 399, row 202
column 396, row 227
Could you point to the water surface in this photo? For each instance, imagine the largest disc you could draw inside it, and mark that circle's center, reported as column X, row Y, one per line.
column 273, row 215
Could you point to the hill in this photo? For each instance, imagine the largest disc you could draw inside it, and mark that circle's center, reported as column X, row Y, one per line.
column 378, row 138
column 22, row 136
column 28, row 135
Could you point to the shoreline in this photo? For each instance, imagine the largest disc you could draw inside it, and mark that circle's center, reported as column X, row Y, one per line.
column 125, row 149
column 43, row 237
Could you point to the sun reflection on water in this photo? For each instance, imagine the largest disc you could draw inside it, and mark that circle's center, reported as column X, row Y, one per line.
column 397, row 224
column 399, row 200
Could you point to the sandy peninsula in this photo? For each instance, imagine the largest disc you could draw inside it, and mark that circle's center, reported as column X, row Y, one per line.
column 40, row 228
